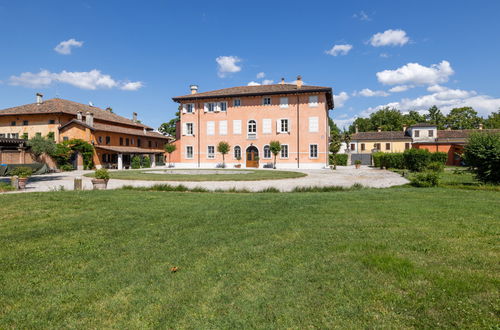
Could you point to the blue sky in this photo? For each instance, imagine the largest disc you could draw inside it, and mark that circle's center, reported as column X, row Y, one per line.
column 136, row 55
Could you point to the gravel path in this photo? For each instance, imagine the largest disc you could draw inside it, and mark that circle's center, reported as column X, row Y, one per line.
column 343, row 176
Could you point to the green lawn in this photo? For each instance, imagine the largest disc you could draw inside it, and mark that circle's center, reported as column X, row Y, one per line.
column 371, row 258
column 252, row 175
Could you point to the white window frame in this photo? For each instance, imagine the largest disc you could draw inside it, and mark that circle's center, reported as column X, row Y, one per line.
column 210, row 128
column 264, row 152
column 287, row 151
column 187, row 153
column 223, row 124
column 186, row 130
column 222, row 106
column 279, row 126
column 317, row 151
column 252, row 135
column 311, row 128
column 237, row 130
column 267, row 98
column 210, row 105
column 236, row 147
column 267, row 123
column 283, row 102
column 209, row 154
column 313, row 101
column 188, row 108
column 237, row 103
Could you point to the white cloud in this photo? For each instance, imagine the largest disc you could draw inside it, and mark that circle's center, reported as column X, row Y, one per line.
column 227, row 65
column 261, row 75
column 389, row 38
column 400, row 88
column 339, row 50
column 267, row 82
column 340, row 99
column 64, row 47
column 369, row 93
column 414, row 73
column 362, row 16
column 436, row 88
column 92, row 80
column 253, row 83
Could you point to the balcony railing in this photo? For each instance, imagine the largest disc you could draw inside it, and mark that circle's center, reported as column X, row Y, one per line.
column 251, row 136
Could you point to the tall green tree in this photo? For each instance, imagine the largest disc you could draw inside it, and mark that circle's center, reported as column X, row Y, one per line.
column 333, row 127
column 363, row 124
column 223, row 147
column 275, row 147
column 463, row 118
column 493, row 120
column 169, row 148
column 413, row 117
column 169, row 127
column 436, row 117
column 388, row 119
column 334, row 148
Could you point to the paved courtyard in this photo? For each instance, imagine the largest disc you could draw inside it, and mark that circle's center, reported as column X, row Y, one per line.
column 343, row 176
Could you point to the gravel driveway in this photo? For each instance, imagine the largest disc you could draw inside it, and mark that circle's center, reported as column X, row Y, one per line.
column 344, row 176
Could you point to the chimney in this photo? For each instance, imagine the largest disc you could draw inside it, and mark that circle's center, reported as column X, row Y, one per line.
column 282, row 81
column 481, row 126
column 379, row 129
column 357, row 129
column 299, row 81
column 404, row 128
column 79, row 116
column 134, row 117
column 89, row 119
column 194, row 89
column 39, row 98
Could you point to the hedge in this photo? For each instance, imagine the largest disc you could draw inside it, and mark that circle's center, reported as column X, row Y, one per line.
column 340, row 158
column 441, row 157
column 415, row 160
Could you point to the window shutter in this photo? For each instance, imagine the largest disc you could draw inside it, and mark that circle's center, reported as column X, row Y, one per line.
column 216, row 107
column 184, row 110
column 278, row 126
column 223, row 127
column 210, row 127
column 184, row 129
column 236, row 126
column 205, row 107
column 313, row 124
column 289, row 126
column 194, row 107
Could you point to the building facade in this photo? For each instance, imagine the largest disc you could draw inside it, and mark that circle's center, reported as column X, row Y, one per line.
column 249, row 118
column 115, row 139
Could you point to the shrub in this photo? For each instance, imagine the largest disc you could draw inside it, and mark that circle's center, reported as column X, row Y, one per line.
column 135, row 162
column 146, row 162
column 66, row 167
column 441, row 157
column 22, row 172
column 102, row 174
column 341, row 159
column 425, row 179
column 377, row 159
column 393, row 160
column 436, row 167
column 357, row 162
column 482, row 155
column 6, row 187
column 416, row 160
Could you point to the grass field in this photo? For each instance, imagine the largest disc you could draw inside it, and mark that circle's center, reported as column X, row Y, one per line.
column 387, row 258
column 252, row 175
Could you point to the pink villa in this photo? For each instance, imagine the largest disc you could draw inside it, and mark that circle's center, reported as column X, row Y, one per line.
column 249, row 118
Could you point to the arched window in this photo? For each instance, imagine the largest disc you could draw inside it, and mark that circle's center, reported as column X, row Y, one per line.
column 252, row 126
column 237, row 152
column 267, row 151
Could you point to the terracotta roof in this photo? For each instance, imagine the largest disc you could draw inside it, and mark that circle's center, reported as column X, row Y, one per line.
column 259, row 90
column 131, row 131
column 76, row 122
column 384, row 135
column 423, row 125
column 462, row 133
column 131, row 150
column 57, row 105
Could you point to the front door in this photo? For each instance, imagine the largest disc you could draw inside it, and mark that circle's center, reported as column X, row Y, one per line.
column 252, row 157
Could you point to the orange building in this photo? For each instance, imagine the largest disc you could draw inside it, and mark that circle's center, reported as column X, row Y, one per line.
column 115, row 139
column 249, row 118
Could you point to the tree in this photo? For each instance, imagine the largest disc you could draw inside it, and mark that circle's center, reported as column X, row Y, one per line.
column 223, row 148
column 275, row 147
column 388, row 119
column 169, row 128
column 333, row 127
column 463, row 118
column 41, row 145
column 493, row 120
column 482, row 155
column 363, row 125
column 335, row 143
column 435, row 117
column 169, row 148
column 346, row 138
column 413, row 117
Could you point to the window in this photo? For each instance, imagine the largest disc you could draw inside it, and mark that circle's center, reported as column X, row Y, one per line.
column 431, row 133
column 223, row 127
column 210, row 128
column 99, row 139
column 313, row 100
column 132, row 141
column 283, row 126
column 139, row 142
column 266, row 101
column 313, row 151
column 362, row 147
column 121, row 141
column 25, row 123
column 223, row 106
column 12, row 123
column 210, row 107
column 188, row 108
column 150, row 144
column 313, row 124
column 52, row 121
column 283, row 102
column 188, row 129
column 15, row 135
column 252, row 126
column 189, row 152
column 417, row 133
column 387, row 146
column 353, row 146
column 211, row 152
column 65, row 138
column 237, row 102
column 108, row 139
column 237, row 152
column 266, row 126
column 127, row 142
column 407, row 146
column 267, row 152
column 236, row 126
column 284, row 151
column 2, row 135
column 377, row 146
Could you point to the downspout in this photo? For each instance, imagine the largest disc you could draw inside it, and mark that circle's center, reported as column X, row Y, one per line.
column 298, row 133
column 199, row 150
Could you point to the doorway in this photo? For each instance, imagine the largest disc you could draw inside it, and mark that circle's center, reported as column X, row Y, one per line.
column 252, row 157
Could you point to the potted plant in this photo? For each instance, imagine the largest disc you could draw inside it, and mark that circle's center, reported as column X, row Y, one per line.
column 238, row 165
column 357, row 163
column 23, row 173
column 101, row 178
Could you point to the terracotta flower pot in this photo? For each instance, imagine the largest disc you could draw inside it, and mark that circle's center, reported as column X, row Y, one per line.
column 237, row 166
column 21, row 182
column 357, row 166
column 99, row 184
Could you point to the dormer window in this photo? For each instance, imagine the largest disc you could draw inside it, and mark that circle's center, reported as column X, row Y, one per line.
column 237, row 102
column 266, row 101
column 313, row 100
